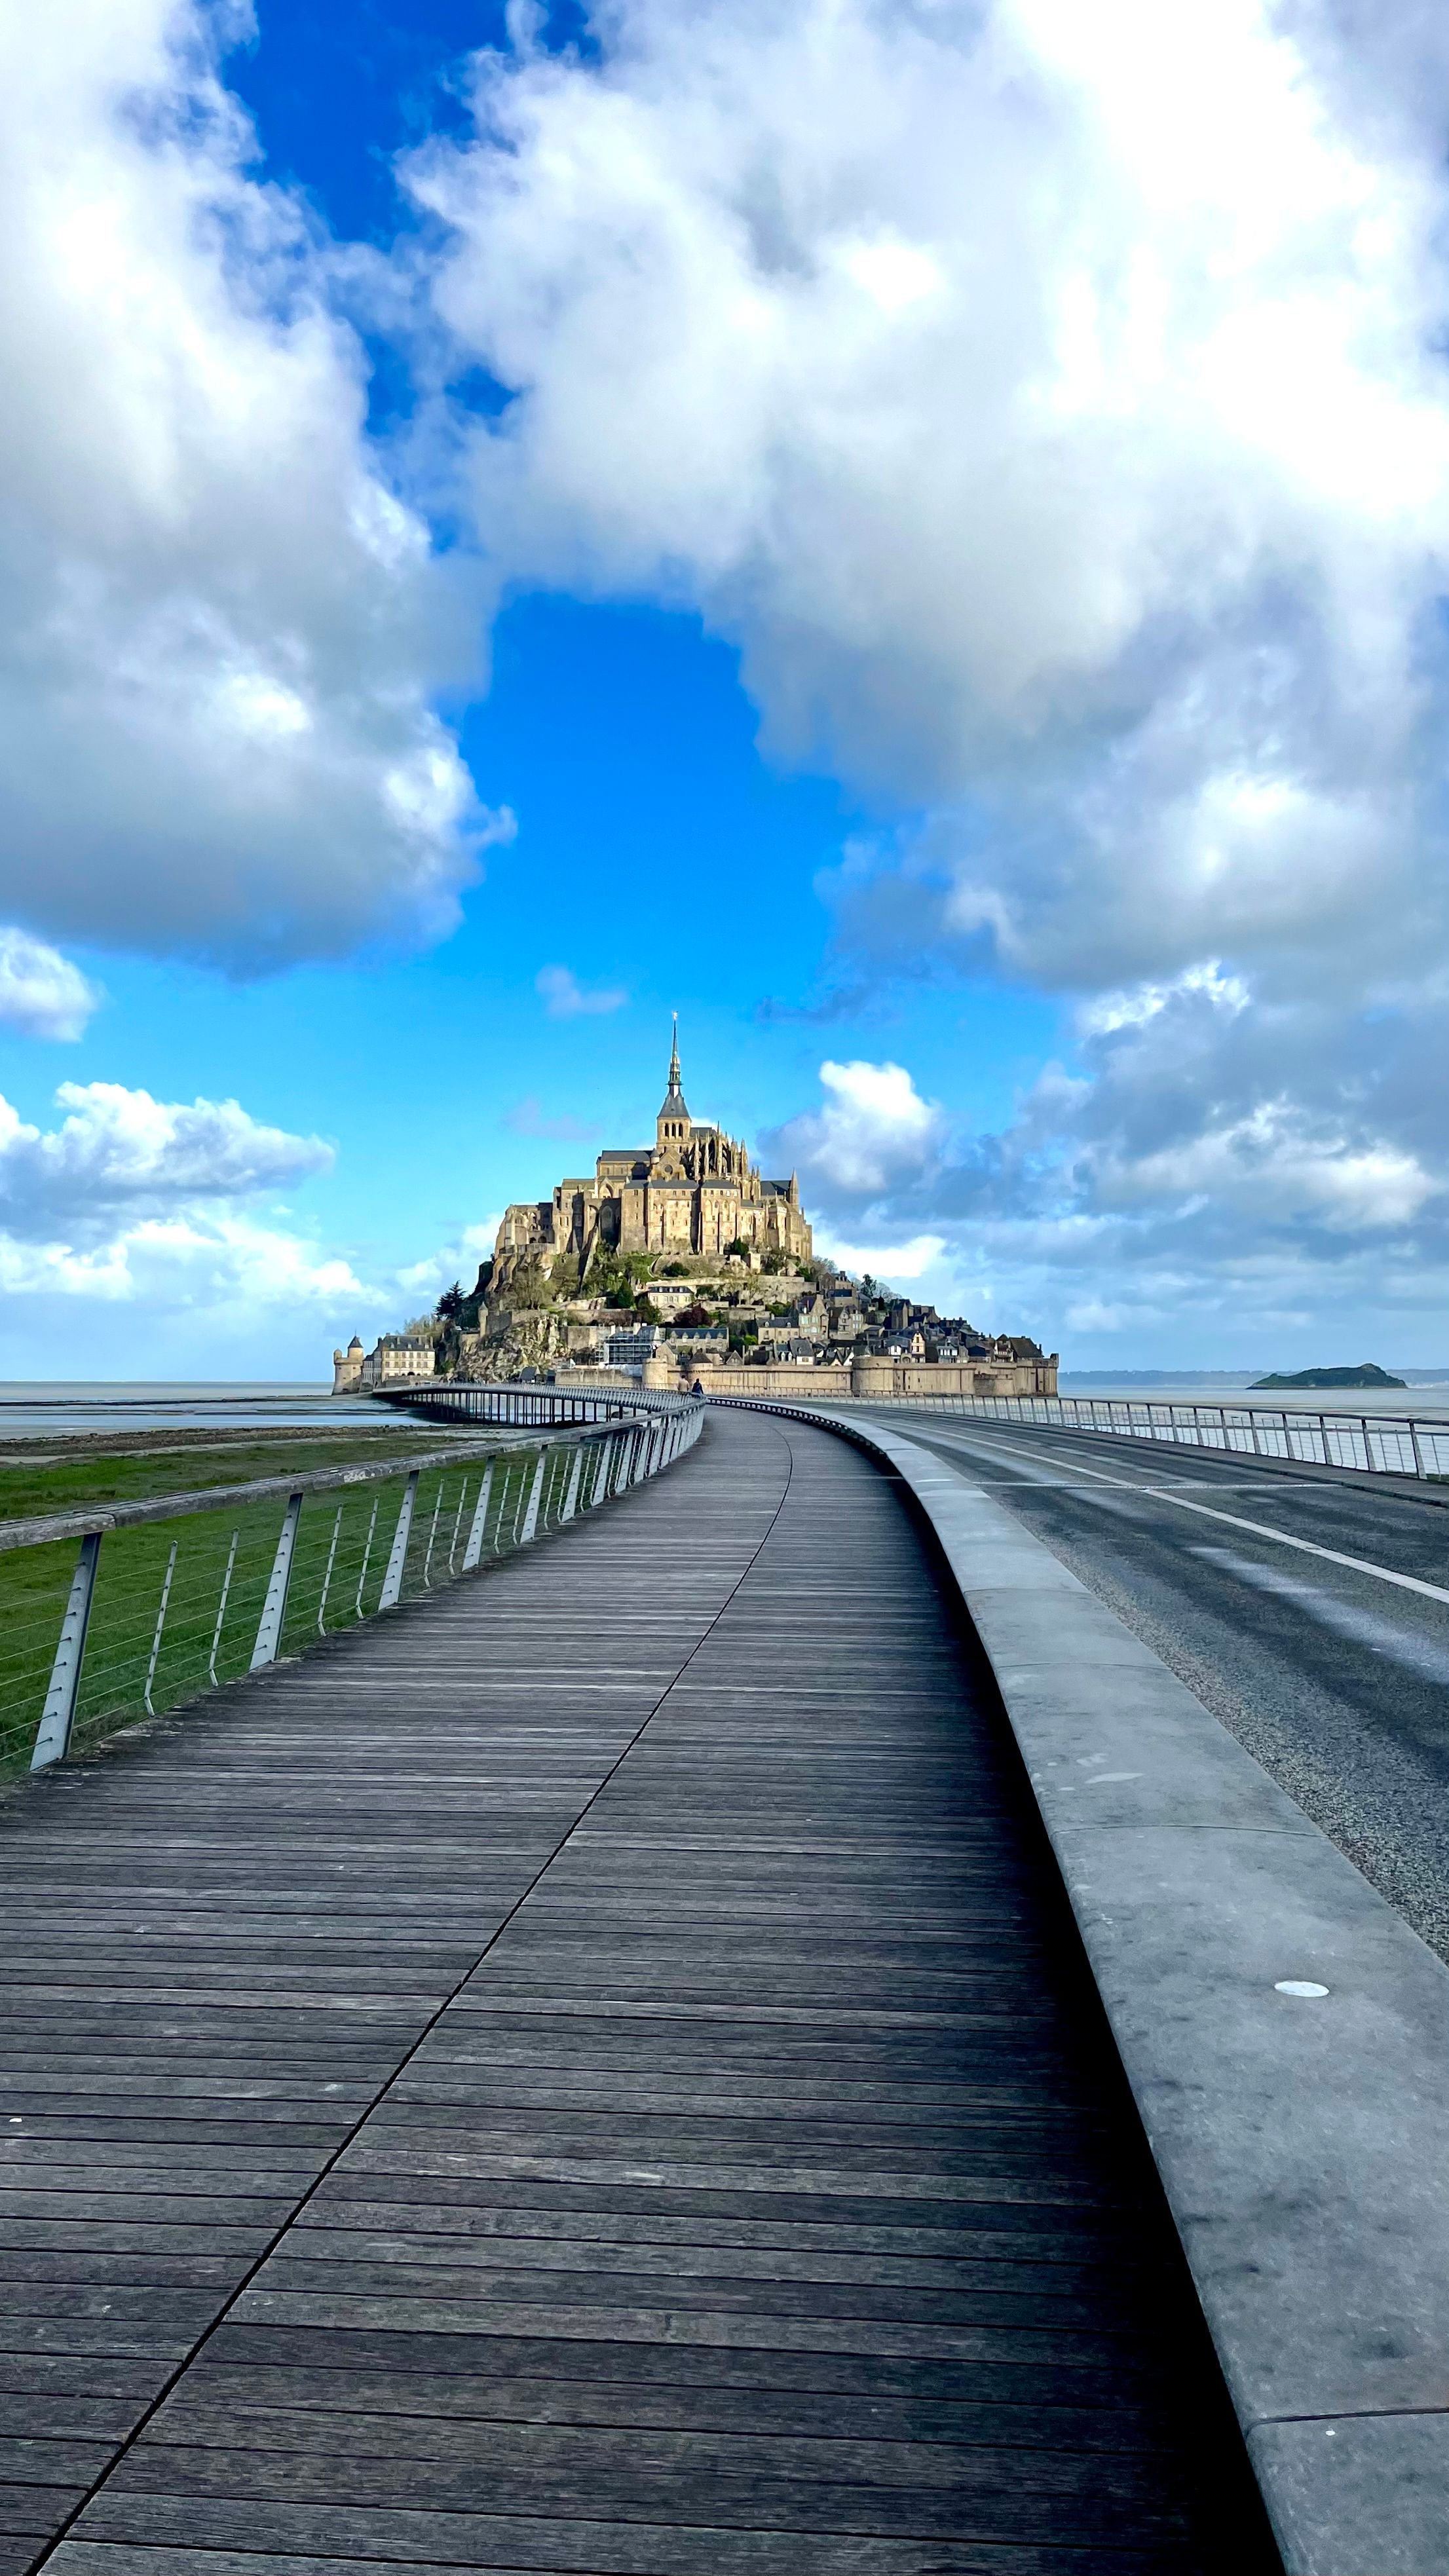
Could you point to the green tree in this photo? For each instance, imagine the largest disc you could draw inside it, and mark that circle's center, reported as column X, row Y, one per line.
column 529, row 1288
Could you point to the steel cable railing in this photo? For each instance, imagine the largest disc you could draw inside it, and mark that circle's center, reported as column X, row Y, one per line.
column 1372, row 1444
column 153, row 1605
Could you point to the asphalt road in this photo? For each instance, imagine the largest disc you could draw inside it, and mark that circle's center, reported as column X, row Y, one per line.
column 1335, row 1676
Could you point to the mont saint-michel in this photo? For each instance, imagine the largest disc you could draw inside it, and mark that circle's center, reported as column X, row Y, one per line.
column 692, row 1191
column 680, row 1264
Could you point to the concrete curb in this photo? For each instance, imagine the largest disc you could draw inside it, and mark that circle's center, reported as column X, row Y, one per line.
column 1303, row 2142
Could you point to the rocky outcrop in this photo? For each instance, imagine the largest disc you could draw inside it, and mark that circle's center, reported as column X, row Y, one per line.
column 526, row 1339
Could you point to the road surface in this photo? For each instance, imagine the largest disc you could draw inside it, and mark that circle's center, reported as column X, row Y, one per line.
column 1334, row 1674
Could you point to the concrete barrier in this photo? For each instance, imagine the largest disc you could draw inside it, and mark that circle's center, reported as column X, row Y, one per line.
column 1285, row 2035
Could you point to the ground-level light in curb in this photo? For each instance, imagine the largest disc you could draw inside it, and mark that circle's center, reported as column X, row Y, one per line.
column 1298, row 1986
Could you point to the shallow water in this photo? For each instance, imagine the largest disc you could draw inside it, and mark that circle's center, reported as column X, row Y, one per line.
column 39, row 1408
column 1430, row 1400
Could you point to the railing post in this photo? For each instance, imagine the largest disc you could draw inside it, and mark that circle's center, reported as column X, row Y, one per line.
column 571, row 1498
column 474, row 1548
column 397, row 1559
column 327, row 1574
column 457, row 1524
column 52, row 1742
column 221, row 1606
column 530, row 1516
column 367, row 1554
column 160, row 1630
column 269, row 1627
column 1414, row 1445
column 432, row 1534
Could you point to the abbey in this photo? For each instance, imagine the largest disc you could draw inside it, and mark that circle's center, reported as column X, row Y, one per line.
column 692, row 1191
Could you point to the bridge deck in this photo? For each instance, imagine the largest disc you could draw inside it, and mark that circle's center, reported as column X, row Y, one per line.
column 592, row 2075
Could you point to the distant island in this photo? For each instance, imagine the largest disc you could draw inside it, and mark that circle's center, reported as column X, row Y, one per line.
column 1367, row 1373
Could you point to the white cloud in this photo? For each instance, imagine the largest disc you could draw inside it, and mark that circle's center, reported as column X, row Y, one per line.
column 217, row 1262
column 904, row 1262
column 458, row 1259
column 1269, row 1166
column 121, row 1154
column 998, row 374
column 222, row 627
column 41, row 993
column 874, row 1133
column 132, row 1241
column 1133, row 1008
column 568, row 999
column 1053, row 405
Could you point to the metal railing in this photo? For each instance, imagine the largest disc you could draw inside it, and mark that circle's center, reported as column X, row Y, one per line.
column 520, row 1407
column 1373, row 1444
column 110, row 1615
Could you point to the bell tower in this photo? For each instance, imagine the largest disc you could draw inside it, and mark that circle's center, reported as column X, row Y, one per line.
column 673, row 1125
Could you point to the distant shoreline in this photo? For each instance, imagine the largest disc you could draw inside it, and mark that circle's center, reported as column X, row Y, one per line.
column 1079, row 1380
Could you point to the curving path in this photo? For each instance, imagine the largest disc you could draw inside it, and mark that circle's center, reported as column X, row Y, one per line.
column 593, row 2074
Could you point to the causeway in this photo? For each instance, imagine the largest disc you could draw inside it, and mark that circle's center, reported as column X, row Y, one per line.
column 592, row 2073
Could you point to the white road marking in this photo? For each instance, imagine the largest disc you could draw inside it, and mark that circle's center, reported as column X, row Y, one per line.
column 1416, row 1653
column 1233, row 1520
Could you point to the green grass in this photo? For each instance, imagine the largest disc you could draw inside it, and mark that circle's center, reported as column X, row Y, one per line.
column 354, row 1528
column 68, row 1481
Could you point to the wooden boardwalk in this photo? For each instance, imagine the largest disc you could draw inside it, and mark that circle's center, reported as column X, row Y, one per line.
column 591, row 2074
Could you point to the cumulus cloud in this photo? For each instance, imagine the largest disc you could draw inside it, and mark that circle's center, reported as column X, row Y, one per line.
column 157, row 1221
column 457, row 1259
column 1013, row 381
column 903, row 1262
column 874, row 1135
column 42, row 994
column 1170, row 1184
column 220, row 1262
column 223, row 623
column 119, row 1152
column 1052, row 404
column 568, row 999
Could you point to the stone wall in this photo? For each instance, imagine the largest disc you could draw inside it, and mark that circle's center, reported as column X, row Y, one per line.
column 881, row 1379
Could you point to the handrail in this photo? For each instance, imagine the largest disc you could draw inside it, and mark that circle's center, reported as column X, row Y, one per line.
column 40, row 1532
column 1378, row 1444
column 523, row 1407
column 609, row 1456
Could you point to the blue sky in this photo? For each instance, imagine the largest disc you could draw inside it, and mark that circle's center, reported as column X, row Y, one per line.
column 802, row 525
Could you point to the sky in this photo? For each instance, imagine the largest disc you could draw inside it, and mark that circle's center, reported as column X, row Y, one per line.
column 911, row 532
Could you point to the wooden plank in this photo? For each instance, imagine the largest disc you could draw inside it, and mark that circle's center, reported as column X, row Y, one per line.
column 607, row 2057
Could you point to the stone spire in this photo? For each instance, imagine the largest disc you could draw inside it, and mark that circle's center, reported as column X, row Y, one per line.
column 674, row 1105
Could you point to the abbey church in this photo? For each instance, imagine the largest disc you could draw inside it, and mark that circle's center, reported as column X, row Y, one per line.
column 692, row 1191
